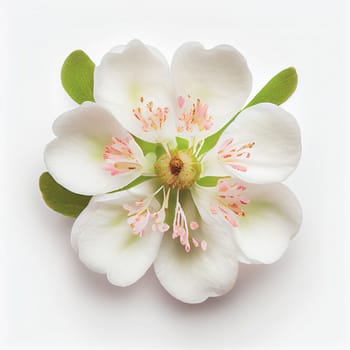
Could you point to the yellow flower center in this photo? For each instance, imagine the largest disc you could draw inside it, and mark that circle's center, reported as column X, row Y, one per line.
column 179, row 169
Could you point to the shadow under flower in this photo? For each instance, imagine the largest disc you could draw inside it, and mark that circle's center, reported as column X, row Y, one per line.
column 250, row 276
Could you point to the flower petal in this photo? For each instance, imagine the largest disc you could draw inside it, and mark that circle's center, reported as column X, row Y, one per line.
column 267, row 145
column 273, row 217
column 106, row 244
column 129, row 74
column 218, row 76
column 75, row 157
column 195, row 276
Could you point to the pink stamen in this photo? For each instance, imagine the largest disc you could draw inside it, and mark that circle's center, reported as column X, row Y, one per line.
column 119, row 157
column 193, row 115
column 159, row 218
column 194, row 225
column 181, row 230
column 151, row 118
column 180, row 101
column 140, row 215
column 138, row 222
column 239, row 167
column 229, row 201
column 233, row 155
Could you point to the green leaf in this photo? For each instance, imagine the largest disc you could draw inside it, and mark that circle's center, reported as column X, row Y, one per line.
column 134, row 183
column 60, row 199
column 77, row 76
column 209, row 181
column 278, row 89
column 181, row 143
column 147, row 147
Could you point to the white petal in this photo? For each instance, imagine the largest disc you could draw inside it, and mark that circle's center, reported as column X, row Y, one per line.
column 106, row 244
column 272, row 218
column 75, row 157
column 204, row 197
column 277, row 145
column 195, row 276
column 218, row 76
column 128, row 73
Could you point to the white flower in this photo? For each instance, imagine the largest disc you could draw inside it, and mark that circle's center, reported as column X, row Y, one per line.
column 194, row 235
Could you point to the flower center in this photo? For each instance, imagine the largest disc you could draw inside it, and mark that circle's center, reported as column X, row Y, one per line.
column 176, row 165
column 179, row 169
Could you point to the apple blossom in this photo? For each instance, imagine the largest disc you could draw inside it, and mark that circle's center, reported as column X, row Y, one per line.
column 195, row 213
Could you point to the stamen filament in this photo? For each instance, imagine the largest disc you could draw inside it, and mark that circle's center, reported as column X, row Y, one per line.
column 232, row 154
column 139, row 214
column 151, row 118
column 229, row 201
column 194, row 115
column 181, row 230
column 119, row 157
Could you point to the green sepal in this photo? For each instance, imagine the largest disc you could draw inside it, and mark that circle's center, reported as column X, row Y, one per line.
column 210, row 181
column 211, row 141
column 134, row 183
column 77, row 76
column 60, row 199
column 147, row 147
column 276, row 91
column 160, row 151
column 182, row 143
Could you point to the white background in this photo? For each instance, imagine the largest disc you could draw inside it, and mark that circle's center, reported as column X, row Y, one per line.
column 50, row 300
